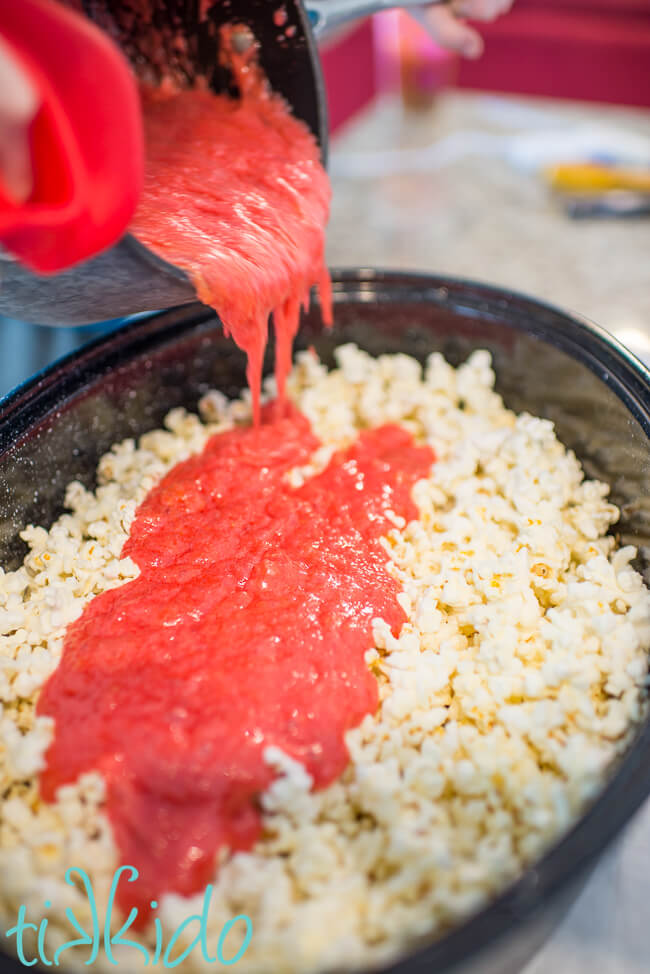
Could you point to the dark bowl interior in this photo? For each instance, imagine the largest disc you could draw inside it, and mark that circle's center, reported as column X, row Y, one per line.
column 179, row 40
column 55, row 427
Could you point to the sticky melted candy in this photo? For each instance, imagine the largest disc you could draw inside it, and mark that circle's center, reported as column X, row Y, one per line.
column 235, row 194
column 246, row 628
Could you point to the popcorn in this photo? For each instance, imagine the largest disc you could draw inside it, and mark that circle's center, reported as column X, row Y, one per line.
column 512, row 686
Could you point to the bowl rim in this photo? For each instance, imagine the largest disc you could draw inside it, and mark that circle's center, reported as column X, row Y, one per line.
column 579, row 848
column 146, row 326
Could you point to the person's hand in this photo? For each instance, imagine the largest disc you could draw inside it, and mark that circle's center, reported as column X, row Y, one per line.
column 447, row 26
column 18, row 106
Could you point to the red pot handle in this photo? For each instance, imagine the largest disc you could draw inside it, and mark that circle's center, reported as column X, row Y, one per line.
column 86, row 139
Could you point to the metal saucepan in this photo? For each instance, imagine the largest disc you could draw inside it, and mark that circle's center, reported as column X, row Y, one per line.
column 54, row 428
column 128, row 278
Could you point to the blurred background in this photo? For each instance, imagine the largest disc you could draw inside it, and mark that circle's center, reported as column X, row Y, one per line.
column 529, row 167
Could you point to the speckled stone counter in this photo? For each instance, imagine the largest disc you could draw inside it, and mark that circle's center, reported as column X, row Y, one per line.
column 462, row 207
column 432, row 191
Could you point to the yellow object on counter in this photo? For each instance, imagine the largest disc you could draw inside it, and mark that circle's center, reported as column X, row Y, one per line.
column 593, row 178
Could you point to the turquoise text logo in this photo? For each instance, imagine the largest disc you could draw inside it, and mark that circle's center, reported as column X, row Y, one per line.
column 100, row 936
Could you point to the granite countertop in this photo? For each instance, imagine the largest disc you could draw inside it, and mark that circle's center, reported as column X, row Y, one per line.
column 437, row 190
column 477, row 215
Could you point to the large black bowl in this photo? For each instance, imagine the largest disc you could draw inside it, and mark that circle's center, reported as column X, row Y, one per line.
column 55, row 427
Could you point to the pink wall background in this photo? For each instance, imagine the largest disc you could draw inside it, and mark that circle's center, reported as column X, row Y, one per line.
column 593, row 50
